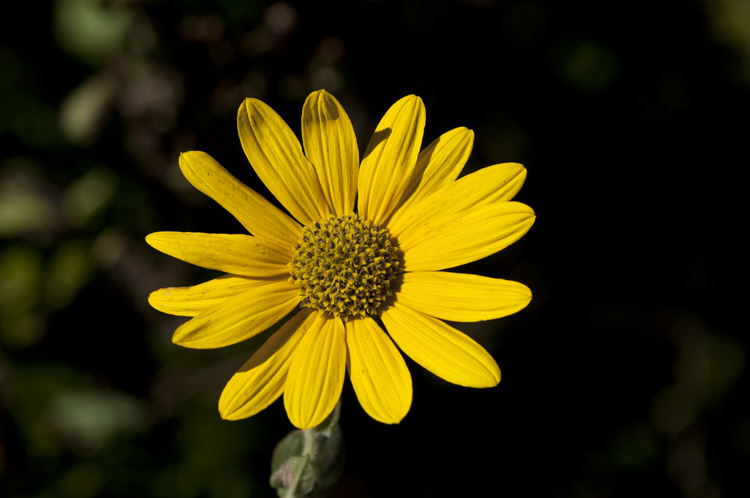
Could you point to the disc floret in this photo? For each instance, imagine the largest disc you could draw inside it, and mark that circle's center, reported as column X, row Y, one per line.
column 344, row 266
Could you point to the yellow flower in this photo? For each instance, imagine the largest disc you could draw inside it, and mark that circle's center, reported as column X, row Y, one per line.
column 346, row 275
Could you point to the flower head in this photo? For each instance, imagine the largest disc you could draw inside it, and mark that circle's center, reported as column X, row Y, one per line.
column 355, row 268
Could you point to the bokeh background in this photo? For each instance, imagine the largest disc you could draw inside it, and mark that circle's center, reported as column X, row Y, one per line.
column 626, row 376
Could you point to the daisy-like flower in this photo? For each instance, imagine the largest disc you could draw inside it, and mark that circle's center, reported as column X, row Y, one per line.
column 355, row 268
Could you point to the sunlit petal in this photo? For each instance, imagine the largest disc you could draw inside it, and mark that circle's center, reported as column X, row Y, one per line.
column 461, row 297
column 257, row 215
column 378, row 371
column 498, row 183
column 239, row 318
column 190, row 301
column 441, row 349
column 390, row 159
column 316, row 373
column 261, row 379
column 276, row 156
column 438, row 165
column 331, row 147
column 231, row 253
column 445, row 242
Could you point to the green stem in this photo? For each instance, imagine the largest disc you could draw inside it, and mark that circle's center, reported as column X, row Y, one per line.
column 308, row 448
column 307, row 463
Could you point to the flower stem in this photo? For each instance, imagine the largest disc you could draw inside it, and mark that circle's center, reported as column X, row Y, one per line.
column 307, row 463
column 308, row 448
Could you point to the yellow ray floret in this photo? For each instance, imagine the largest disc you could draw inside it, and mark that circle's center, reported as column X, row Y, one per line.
column 316, row 373
column 190, row 301
column 378, row 371
column 331, row 147
column 441, row 349
column 390, row 159
column 460, row 297
column 260, row 381
column 252, row 210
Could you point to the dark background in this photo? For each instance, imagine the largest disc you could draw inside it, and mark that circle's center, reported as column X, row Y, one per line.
column 626, row 376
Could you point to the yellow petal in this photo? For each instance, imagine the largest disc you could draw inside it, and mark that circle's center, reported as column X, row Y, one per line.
column 441, row 349
column 276, row 156
column 316, row 374
column 189, row 301
column 240, row 317
column 231, row 253
column 498, row 183
column 331, row 146
column 261, row 379
column 378, row 371
column 461, row 297
column 257, row 215
column 438, row 165
column 453, row 240
column 390, row 159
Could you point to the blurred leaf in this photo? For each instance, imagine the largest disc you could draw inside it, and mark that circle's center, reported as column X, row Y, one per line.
column 83, row 110
column 20, row 279
column 90, row 30
column 69, row 269
column 88, row 195
column 88, row 419
column 25, row 205
column 32, row 385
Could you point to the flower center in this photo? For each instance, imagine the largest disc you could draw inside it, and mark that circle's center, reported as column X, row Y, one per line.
column 344, row 266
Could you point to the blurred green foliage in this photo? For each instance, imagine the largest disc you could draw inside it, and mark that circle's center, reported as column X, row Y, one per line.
column 627, row 375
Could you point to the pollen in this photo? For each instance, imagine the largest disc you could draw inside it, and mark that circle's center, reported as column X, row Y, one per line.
column 345, row 266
